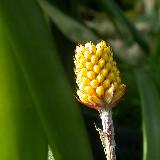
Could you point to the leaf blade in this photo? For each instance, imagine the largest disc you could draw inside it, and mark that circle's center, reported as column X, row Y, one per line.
column 73, row 30
column 21, row 134
column 40, row 65
column 151, row 115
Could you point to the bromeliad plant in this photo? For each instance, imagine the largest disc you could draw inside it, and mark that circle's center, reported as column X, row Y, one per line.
column 99, row 87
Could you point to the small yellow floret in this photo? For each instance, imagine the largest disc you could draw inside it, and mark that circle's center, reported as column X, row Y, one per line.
column 111, row 59
column 111, row 76
column 82, row 61
column 105, row 56
column 89, row 65
column 114, row 69
column 96, row 68
column 79, row 77
column 115, row 84
column 106, row 83
column 94, row 83
column 91, row 75
column 104, row 44
column 107, row 50
column 91, row 47
column 100, row 78
column 86, row 80
column 94, row 59
column 84, row 98
column 101, row 62
column 100, row 91
column 98, row 53
column 89, row 89
column 84, row 71
column 87, row 55
column 79, row 66
column 94, row 100
column 99, row 46
column 81, row 86
column 108, row 66
column 118, row 80
column 79, row 93
column 79, row 49
column 104, row 72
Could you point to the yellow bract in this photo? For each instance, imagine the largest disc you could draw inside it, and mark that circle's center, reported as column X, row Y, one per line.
column 97, row 75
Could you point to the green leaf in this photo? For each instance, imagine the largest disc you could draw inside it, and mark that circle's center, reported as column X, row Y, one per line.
column 150, row 100
column 38, row 62
column 72, row 29
column 156, row 46
column 113, row 9
column 21, row 133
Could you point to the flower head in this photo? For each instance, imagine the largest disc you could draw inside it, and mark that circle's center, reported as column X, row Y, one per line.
column 97, row 76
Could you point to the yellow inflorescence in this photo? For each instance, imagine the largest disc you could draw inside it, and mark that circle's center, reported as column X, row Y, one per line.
column 97, row 76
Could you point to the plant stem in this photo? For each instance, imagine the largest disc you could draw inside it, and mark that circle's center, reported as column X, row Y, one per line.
column 107, row 134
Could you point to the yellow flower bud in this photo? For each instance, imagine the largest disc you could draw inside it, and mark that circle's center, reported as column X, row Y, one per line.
column 97, row 76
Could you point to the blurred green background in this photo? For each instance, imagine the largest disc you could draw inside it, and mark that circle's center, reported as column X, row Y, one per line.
column 37, row 84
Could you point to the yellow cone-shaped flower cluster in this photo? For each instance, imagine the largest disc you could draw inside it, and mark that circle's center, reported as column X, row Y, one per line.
column 97, row 76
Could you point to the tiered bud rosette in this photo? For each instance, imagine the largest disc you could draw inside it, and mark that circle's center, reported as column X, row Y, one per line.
column 97, row 76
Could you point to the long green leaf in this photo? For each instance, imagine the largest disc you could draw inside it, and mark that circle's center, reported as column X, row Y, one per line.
column 39, row 63
column 156, row 46
column 21, row 134
column 112, row 8
column 72, row 29
column 150, row 99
